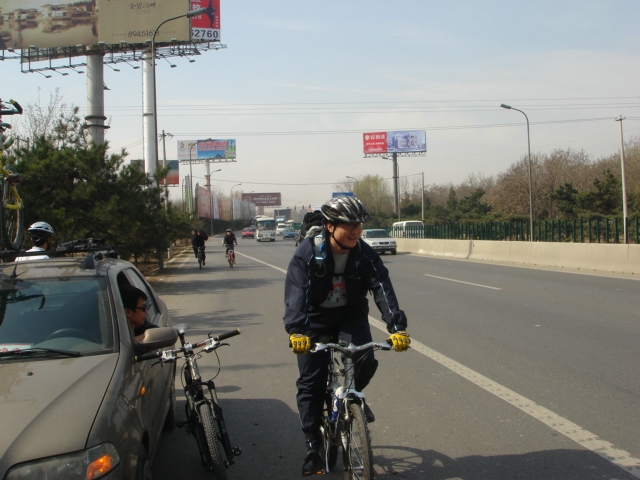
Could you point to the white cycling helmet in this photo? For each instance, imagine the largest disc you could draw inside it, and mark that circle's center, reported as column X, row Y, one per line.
column 41, row 228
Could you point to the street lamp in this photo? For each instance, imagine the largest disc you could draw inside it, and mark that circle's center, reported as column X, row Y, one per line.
column 509, row 107
column 231, row 195
column 356, row 180
column 190, row 14
column 211, row 200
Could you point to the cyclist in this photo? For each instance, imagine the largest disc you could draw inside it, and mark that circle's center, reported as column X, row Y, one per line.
column 40, row 234
column 229, row 240
column 326, row 295
column 197, row 240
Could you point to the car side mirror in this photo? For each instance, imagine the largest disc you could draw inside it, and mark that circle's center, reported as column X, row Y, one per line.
column 155, row 338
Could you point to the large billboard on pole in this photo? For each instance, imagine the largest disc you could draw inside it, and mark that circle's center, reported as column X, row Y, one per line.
column 264, row 199
column 396, row 141
column 206, row 149
column 68, row 23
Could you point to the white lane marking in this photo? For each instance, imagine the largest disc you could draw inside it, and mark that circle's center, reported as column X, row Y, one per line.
column 583, row 437
column 460, row 281
column 264, row 263
column 586, row 439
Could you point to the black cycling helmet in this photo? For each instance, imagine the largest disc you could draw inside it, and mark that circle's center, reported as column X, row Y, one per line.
column 344, row 210
column 229, row 230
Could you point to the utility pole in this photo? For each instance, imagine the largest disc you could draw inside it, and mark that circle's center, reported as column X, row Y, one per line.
column 422, row 197
column 396, row 200
column 624, row 183
column 164, row 165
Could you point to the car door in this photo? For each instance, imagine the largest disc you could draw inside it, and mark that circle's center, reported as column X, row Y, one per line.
column 158, row 377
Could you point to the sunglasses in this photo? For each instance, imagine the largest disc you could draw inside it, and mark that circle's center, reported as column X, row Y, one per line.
column 143, row 308
column 350, row 226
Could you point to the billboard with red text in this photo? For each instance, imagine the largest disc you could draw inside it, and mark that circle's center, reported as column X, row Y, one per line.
column 206, row 26
column 396, row 141
column 264, row 199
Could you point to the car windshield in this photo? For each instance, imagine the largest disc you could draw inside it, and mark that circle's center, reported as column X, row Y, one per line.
column 378, row 234
column 62, row 314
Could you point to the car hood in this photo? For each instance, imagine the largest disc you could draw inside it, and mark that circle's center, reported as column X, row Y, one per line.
column 48, row 406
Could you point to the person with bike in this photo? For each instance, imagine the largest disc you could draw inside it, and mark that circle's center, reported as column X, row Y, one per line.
column 40, row 234
column 325, row 295
column 229, row 240
column 197, row 240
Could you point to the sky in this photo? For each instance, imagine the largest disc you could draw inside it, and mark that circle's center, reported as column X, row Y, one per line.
column 301, row 81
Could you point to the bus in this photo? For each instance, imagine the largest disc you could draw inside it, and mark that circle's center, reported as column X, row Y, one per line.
column 265, row 229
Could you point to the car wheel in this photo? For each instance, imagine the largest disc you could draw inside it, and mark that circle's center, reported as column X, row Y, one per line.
column 393, row 252
column 143, row 470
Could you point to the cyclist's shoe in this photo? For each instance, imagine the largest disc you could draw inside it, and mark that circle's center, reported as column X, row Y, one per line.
column 368, row 414
column 203, row 262
column 313, row 464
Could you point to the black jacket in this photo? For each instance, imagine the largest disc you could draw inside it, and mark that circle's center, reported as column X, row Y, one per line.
column 306, row 287
column 198, row 239
column 229, row 240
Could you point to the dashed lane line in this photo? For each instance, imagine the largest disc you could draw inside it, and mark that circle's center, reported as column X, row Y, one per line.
column 460, row 281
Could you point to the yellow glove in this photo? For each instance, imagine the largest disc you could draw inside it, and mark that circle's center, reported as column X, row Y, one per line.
column 299, row 343
column 400, row 341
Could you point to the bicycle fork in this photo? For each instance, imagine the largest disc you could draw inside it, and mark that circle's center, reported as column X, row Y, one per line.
column 230, row 451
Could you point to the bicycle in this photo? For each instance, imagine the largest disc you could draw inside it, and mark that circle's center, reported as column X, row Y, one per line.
column 12, row 211
column 201, row 411
column 343, row 420
column 201, row 257
column 231, row 257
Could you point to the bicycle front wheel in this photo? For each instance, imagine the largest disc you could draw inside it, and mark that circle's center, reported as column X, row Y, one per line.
column 359, row 452
column 12, row 218
column 215, row 463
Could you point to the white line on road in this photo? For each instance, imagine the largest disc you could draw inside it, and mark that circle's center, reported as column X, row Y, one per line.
column 460, row 281
column 582, row 437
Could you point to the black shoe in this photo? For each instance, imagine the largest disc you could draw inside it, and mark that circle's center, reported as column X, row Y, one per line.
column 368, row 414
column 313, row 464
column 203, row 262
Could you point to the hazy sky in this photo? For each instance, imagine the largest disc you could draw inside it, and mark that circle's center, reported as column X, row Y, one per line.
column 300, row 81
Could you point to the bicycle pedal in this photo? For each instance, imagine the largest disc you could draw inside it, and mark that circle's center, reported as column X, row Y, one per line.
column 237, row 451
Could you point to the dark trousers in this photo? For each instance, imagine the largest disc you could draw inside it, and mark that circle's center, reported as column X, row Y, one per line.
column 195, row 251
column 332, row 325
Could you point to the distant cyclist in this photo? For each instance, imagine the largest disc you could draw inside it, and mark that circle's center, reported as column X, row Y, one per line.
column 197, row 240
column 229, row 240
column 40, row 234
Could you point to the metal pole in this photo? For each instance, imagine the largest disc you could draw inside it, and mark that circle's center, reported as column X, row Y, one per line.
column 148, row 112
column 423, row 197
column 191, row 199
column 164, row 165
column 395, row 184
column 95, row 98
column 624, row 183
column 357, row 185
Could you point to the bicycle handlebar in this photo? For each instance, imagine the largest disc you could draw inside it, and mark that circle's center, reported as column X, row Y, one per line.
column 209, row 345
column 16, row 111
column 224, row 336
column 351, row 349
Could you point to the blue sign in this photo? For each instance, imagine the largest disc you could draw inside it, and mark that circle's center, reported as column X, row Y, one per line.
column 342, row 194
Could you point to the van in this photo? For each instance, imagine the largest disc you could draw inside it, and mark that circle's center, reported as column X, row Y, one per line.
column 280, row 228
column 408, row 229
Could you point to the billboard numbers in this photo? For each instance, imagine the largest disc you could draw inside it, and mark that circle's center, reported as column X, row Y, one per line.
column 207, row 25
column 397, row 141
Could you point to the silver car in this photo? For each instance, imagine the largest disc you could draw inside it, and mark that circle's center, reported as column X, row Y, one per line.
column 74, row 402
column 380, row 240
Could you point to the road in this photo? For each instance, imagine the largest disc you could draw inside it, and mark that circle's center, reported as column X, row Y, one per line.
column 515, row 372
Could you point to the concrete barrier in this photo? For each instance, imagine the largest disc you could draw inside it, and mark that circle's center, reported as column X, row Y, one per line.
column 583, row 256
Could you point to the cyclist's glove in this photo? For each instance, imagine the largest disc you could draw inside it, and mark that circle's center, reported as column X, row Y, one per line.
column 299, row 343
column 400, row 341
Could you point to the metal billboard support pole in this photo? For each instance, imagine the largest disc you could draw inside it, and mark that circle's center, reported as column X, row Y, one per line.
column 624, row 183
column 95, row 98
column 395, row 185
column 149, row 143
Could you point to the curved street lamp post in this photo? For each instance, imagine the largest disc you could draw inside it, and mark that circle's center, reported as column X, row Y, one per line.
column 357, row 184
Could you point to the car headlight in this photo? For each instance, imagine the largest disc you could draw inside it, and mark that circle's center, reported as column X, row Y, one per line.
column 87, row 464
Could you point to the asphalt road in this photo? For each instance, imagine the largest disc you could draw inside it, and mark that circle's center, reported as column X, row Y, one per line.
column 515, row 372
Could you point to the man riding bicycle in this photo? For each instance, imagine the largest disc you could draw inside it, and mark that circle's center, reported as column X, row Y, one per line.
column 229, row 240
column 326, row 295
column 197, row 240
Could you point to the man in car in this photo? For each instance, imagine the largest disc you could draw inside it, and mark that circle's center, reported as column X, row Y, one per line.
column 197, row 240
column 40, row 234
column 135, row 308
column 326, row 290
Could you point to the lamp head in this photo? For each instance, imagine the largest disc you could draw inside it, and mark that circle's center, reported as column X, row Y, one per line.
column 504, row 105
column 198, row 11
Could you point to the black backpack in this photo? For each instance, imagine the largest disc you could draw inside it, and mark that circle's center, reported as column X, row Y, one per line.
column 311, row 219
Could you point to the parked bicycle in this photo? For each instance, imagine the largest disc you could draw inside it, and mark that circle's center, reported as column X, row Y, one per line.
column 201, row 256
column 343, row 421
column 12, row 211
column 201, row 410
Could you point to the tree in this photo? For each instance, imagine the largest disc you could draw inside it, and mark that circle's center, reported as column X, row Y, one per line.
column 567, row 200
column 607, row 197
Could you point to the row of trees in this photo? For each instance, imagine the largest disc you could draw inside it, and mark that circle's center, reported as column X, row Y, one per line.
column 567, row 184
column 83, row 191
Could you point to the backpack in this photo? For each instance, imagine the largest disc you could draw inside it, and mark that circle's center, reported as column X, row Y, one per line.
column 311, row 219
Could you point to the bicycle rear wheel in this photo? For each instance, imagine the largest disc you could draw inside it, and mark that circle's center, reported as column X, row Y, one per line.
column 12, row 223
column 200, row 260
column 215, row 462
column 359, row 452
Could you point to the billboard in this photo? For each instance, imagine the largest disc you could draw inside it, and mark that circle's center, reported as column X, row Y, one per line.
column 68, row 23
column 397, row 141
column 207, row 26
column 173, row 177
column 342, row 194
column 206, row 150
column 263, row 199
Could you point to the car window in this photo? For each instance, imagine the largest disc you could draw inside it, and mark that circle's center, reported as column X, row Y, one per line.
column 59, row 313
column 152, row 306
column 378, row 234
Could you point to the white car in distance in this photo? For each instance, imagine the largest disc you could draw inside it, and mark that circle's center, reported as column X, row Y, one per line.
column 380, row 240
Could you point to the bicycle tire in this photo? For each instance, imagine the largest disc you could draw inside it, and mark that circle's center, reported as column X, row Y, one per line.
column 200, row 261
column 12, row 223
column 359, row 452
column 216, row 462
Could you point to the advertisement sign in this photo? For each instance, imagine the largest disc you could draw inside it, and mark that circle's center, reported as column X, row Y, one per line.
column 397, row 141
column 206, row 26
column 263, row 199
column 173, row 175
column 59, row 23
column 205, row 203
column 206, row 150
column 342, row 194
